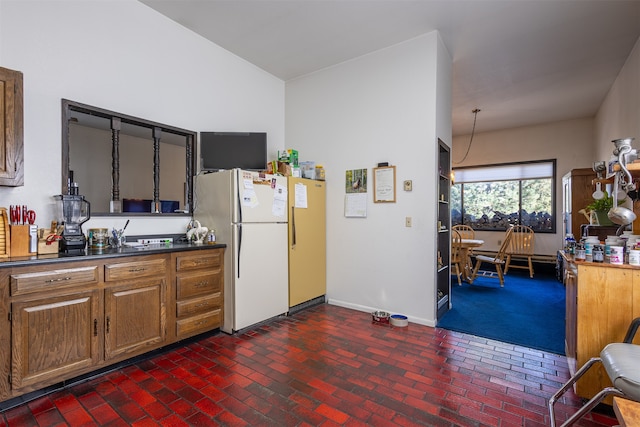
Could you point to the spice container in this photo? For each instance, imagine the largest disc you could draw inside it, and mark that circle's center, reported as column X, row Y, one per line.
column 598, row 253
column 98, row 238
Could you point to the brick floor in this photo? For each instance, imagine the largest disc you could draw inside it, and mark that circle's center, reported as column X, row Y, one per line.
column 325, row 366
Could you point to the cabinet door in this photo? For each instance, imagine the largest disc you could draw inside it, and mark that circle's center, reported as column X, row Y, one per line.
column 54, row 336
column 604, row 307
column 571, row 285
column 307, row 242
column 11, row 128
column 135, row 318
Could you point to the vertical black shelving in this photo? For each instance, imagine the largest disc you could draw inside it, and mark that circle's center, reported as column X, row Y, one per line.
column 443, row 231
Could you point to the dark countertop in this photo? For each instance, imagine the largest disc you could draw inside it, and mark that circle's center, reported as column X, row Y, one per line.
column 109, row 252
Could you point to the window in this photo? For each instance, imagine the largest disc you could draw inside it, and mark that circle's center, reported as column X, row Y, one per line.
column 494, row 197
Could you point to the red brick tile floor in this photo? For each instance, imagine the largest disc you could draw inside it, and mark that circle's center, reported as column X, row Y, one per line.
column 324, row 366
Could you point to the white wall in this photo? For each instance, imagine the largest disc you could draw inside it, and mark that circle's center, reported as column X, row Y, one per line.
column 125, row 57
column 619, row 114
column 378, row 108
column 570, row 142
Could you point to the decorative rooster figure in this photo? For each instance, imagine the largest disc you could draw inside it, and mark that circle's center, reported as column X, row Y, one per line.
column 196, row 232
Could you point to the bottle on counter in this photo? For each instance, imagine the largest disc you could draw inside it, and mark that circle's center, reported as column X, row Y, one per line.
column 570, row 244
column 598, row 253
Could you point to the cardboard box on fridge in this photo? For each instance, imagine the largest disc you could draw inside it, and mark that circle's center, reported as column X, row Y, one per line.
column 289, row 156
column 283, row 168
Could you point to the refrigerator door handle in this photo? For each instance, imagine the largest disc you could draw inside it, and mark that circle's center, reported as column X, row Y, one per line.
column 293, row 227
column 238, row 198
column 239, row 245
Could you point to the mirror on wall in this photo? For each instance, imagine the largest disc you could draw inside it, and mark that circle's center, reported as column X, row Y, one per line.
column 125, row 165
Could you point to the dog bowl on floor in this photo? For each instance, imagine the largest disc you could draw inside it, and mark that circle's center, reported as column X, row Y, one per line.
column 380, row 317
column 399, row 320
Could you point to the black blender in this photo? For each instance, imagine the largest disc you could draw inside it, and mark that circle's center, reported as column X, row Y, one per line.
column 76, row 210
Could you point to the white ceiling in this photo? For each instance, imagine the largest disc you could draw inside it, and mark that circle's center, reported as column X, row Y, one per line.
column 521, row 62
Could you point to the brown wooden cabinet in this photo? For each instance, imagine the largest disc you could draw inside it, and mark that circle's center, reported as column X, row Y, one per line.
column 11, row 128
column 65, row 319
column 199, row 288
column 55, row 324
column 135, row 306
column 602, row 301
column 577, row 191
column 54, row 336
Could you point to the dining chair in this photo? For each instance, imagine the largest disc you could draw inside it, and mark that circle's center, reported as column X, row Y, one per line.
column 497, row 261
column 620, row 363
column 466, row 232
column 456, row 255
column 521, row 245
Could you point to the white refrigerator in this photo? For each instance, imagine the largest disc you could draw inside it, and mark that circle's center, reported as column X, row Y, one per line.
column 248, row 212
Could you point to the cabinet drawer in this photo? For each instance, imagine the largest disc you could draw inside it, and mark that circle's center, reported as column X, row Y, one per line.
column 197, row 284
column 198, row 305
column 134, row 270
column 211, row 259
column 197, row 324
column 24, row 283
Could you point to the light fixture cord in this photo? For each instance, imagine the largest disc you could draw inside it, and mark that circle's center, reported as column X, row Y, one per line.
column 475, row 116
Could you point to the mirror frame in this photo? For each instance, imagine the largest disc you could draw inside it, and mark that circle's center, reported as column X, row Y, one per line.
column 190, row 136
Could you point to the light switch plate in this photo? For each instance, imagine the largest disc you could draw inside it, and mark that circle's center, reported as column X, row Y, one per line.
column 408, row 185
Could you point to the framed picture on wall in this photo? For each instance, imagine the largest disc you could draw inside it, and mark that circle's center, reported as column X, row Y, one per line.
column 384, row 184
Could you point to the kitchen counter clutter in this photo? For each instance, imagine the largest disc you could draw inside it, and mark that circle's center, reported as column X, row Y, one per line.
column 108, row 252
column 70, row 315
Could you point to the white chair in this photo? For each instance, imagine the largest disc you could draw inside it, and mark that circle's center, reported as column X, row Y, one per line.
column 621, row 361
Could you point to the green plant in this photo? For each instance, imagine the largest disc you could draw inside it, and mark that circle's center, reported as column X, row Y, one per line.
column 603, row 204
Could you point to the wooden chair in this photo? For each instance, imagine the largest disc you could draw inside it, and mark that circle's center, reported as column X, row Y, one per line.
column 497, row 261
column 466, row 232
column 456, row 255
column 521, row 245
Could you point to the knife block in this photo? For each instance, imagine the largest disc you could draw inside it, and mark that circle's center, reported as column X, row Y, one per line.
column 20, row 240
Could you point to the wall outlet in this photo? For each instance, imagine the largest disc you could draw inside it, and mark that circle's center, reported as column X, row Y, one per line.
column 407, row 221
column 408, row 185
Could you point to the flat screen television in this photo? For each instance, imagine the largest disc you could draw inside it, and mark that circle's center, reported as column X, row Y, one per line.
column 228, row 150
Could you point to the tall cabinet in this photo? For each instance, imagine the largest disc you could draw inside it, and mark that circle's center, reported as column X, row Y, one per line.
column 576, row 194
column 443, row 232
column 307, row 241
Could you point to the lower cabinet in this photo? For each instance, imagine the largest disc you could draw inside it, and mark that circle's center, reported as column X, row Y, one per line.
column 54, row 336
column 135, row 318
column 601, row 302
column 135, row 311
column 71, row 318
column 198, row 287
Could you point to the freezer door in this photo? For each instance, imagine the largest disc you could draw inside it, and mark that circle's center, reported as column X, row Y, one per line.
column 261, row 197
column 260, row 273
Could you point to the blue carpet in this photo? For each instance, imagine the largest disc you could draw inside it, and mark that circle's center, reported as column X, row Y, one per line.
column 527, row 312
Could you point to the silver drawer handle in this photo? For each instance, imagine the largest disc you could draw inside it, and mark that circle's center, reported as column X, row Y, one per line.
column 57, row 280
column 201, row 284
column 134, row 270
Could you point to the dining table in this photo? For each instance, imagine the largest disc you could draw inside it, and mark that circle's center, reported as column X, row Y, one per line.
column 467, row 246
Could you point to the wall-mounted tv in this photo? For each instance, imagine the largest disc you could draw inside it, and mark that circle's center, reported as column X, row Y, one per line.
column 228, row 150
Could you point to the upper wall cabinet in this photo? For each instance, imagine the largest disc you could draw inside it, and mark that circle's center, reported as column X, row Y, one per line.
column 11, row 128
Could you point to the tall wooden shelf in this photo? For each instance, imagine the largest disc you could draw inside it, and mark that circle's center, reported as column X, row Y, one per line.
column 443, row 232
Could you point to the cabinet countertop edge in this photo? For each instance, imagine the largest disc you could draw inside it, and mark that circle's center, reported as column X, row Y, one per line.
column 104, row 254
